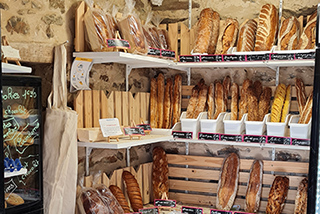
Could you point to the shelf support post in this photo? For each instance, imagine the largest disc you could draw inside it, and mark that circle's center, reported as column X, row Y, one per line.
column 128, row 71
column 277, row 76
column 88, row 152
column 128, row 156
column 189, row 75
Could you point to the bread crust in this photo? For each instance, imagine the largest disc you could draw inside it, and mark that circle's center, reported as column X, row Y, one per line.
column 253, row 105
column 264, row 102
column 277, row 195
column 176, row 112
column 243, row 105
column 234, row 101
column 301, row 94
column 202, row 99
column 160, row 179
column 133, row 191
column 289, row 34
column 192, row 102
column 167, row 105
column 301, row 198
column 160, row 103
column 215, row 32
column 118, row 194
column 210, row 101
column 153, row 103
column 308, row 37
column 247, row 36
column 219, row 100
column 278, row 102
column 286, row 105
column 226, row 90
column 228, row 36
column 257, row 86
column 306, row 115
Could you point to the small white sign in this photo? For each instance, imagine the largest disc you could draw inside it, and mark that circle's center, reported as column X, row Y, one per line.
column 79, row 77
column 10, row 52
column 110, row 127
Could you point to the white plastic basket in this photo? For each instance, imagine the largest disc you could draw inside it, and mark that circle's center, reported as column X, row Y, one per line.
column 301, row 131
column 210, row 125
column 233, row 126
column 256, row 127
column 190, row 125
column 277, row 129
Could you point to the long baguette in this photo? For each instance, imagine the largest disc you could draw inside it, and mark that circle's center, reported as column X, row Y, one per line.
column 307, row 111
column 219, row 100
column 301, row 94
column 202, row 99
column 243, row 105
column 277, row 105
column 234, row 101
column 160, row 84
column 176, row 112
column 153, row 103
column 253, row 105
column 264, row 102
column 192, row 102
column 286, row 105
column 210, row 101
column 167, row 105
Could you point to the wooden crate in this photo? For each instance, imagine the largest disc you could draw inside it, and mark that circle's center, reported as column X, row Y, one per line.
column 94, row 104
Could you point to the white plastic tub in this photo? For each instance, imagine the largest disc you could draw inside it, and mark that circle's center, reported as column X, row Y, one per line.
column 190, row 125
column 210, row 125
column 233, row 126
column 256, row 127
column 277, row 129
column 301, row 131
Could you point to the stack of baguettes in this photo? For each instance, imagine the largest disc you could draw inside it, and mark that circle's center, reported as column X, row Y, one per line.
column 281, row 103
column 304, row 104
column 165, row 101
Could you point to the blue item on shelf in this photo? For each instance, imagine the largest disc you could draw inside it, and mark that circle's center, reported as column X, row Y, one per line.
column 12, row 165
column 18, row 164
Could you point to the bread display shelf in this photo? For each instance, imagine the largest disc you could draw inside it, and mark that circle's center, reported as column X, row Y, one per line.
column 11, row 68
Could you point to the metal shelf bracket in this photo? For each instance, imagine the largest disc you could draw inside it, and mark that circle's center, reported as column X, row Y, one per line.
column 128, row 71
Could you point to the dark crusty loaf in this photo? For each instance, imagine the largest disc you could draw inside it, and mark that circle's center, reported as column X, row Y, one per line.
column 228, row 36
column 192, row 102
column 247, row 36
column 253, row 104
column 301, row 198
column 109, row 199
column 234, row 101
column 264, row 102
column 117, row 192
column 202, row 100
column 92, row 202
column 219, row 101
column 210, row 101
column 301, row 94
column 243, row 105
column 160, row 179
column 133, row 191
column 153, row 103
column 277, row 195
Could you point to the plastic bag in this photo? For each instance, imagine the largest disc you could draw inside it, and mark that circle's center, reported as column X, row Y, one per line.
column 163, row 34
column 151, row 33
column 131, row 30
column 111, row 20
column 91, row 202
column 109, row 199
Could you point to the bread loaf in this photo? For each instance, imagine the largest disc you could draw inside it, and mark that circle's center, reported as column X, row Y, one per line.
column 109, row 199
column 264, row 102
column 234, row 101
column 243, row 106
column 153, row 103
column 228, row 182
column 301, row 198
column 253, row 105
column 277, row 195
column 253, row 192
column 247, row 36
column 160, row 101
column 160, row 179
column 308, row 37
column 148, row 37
column 133, row 191
column 215, row 32
column 289, row 34
column 202, row 100
column 153, row 31
column 219, row 100
column 176, row 99
column 118, row 194
column 306, row 115
column 164, row 39
column 210, row 101
column 277, row 105
column 267, row 28
column 226, row 89
column 92, row 203
column 301, row 94
column 257, row 85
column 286, row 105
column 167, row 105
column 204, row 31
column 228, row 36
column 192, row 102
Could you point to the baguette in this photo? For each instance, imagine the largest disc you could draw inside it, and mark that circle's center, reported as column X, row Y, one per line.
column 228, row 36
column 301, row 198
column 176, row 112
column 202, row 99
column 277, row 105
column 228, row 182
column 247, row 36
column 153, row 103
column 277, row 195
column 243, row 106
column 253, row 192
column 289, row 34
column 226, row 89
column 301, row 94
column 210, row 101
column 286, row 105
column 160, row 179
column 308, row 37
column 219, row 100
column 192, row 102
column 253, row 105
column 215, row 33
column 167, row 105
column 234, row 101
column 267, row 28
column 257, row 85
column 133, row 191
column 264, row 102
column 307, row 111
column 160, row 102
column 117, row 192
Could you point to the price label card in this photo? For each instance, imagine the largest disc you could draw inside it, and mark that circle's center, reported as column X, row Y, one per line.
column 154, row 52
column 257, row 57
column 10, row 52
column 240, row 213
column 232, row 58
column 192, row 210
column 300, row 142
column 183, row 135
column 275, row 56
column 133, row 131
column 79, row 77
column 110, row 127
column 146, row 127
column 279, row 140
column 213, row 211
column 254, row 139
column 118, row 43
column 211, row 58
column 152, row 210
column 309, row 55
column 165, row 203
column 168, row 53
column 231, row 137
column 189, row 58
column 208, row 136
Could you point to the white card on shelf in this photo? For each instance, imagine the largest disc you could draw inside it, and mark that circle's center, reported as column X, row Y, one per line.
column 110, row 127
column 10, row 52
column 79, row 77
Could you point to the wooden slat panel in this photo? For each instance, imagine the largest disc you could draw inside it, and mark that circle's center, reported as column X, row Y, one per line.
column 103, row 105
column 78, row 107
column 131, row 107
column 143, row 107
column 110, row 106
column 117, row 106
column 105, row 180
column 147, row 116
column 96, row 107
column 184, row 103
column 125, row 109
column 184, row 40
column 173, row 36
column 192, row 36
column 87, row 109
column 79, row 40
column 147, row 182
column 136, row 109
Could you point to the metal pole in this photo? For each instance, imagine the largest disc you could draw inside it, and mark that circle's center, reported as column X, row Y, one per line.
column 190, row 13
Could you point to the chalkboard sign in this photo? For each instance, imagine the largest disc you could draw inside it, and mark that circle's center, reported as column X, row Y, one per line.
column 208, row 136
column 289, row 56
column 279, row 140
column 146, row 127
column 227, row 137
column 254, row 139
column 258, row 57
column 240, row 213
column 164, row 203
column 211, row 58
column 154, row 52
column 309, row 55
column 183, row 135
column 153, row 210
column 231, row 58
column 213, row 211
column 300, row 142
column 118, row 43
column 133, row 131
column 168, row 53
column 189, row 58
column 192, row 210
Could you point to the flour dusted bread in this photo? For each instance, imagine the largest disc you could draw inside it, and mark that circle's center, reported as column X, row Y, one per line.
column 202, row 100
column 192, row 102
column 289, row 34
column 176, row 99
column 267, row 28
column 278, row 102
column 301, row 198
column 228, row 182
column 118, row 194
column 277, row 195
column 305, row 117
column 210, row 101
column 243, row 105
column 264, row 102
column 133, row 191
column 253, row 192
column 153, row 103
column 247, row 36
column 226, row 89
column 253, row 105
column 308, row 37
column 167, row 105
column 160, row 176
column 228, row 36
column 215, row 32
column 301, row 94
column 160, row 100
column 234, row 101
column 219, row 100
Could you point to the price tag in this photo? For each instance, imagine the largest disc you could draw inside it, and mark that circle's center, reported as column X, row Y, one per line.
column 183, row 135
column 240, row 213
column 110, row 127
column 133, row 131
column 211, row 58
column 257, row 57
column 213, row 211
column 189, row 58
column 279, row 140
column 118, row 43
column 79, row 77
column 153, row 210
column 145, row 127
column 192, row 210
column 168, row 53
column 208, row 136
column 165, row 203
column 254, row 139
column 154, row 52
column 276, row 56
column 232, row 58
column 230, row 137
column 309, row 55
column 300, row 142
column 10, row 52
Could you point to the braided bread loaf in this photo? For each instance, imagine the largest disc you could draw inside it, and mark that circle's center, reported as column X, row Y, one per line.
column 160, row 181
